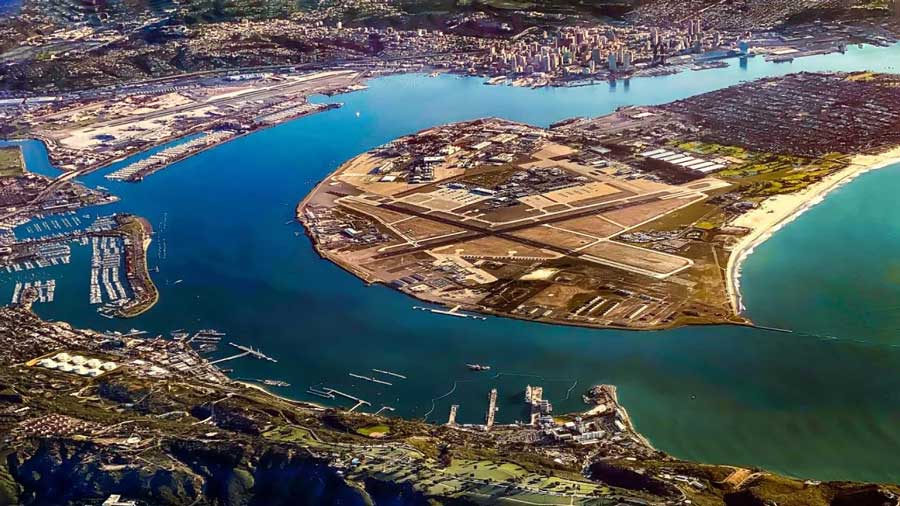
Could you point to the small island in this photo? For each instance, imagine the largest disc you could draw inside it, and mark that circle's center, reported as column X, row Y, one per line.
column 638, row 219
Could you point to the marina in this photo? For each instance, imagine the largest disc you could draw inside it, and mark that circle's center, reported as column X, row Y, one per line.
column 106, row 262
column 138, row 170
column 43, row 291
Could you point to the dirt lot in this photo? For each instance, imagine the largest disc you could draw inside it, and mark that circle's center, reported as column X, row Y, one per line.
column 494, row 247
column 385, row 215
column 557, row 296
column 591, row 225
column 577, row 194
column 418, row 229
column 640, row 258
column 511, row 213
column 631, row 216
column 554, row 236
column 552, row 150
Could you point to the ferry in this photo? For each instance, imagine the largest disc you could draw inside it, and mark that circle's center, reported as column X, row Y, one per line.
column 478, row 367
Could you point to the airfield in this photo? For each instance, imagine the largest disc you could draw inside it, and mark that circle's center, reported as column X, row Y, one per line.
column 502, row 217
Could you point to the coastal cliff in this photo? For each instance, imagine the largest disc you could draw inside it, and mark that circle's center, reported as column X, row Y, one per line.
column 66, row 471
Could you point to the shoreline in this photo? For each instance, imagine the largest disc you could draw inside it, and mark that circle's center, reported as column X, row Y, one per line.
column 179, row 137
column 776, row 212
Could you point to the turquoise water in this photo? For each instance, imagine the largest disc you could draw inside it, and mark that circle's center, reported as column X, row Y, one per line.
column 807, row 406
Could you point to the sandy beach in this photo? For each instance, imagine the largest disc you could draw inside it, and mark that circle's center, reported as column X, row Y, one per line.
column 777, row 211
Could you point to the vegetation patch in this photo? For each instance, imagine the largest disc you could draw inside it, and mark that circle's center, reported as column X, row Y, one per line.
column 374, row 430
column 11, row 162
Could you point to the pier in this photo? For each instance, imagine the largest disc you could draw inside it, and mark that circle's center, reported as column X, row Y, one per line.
column 451, row 420
column 454, row 311
column 232, row 357
column 255, row 353
column 383, row 408
column 492, row 409
column 320, row 393
column 389, row 373
column 369, row 378
column 245, row 351
column 359, row 402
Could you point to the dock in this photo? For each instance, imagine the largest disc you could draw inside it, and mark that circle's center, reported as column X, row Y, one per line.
column 384, row 408
column 255, row 353
column 451, row 420
column 320, row 393
column 389, row 373
column 232, row 357
column 534, row 398
column 492, row 409
column 245, row 351
column 454, row 311
column 369, row 378
column 359, row 402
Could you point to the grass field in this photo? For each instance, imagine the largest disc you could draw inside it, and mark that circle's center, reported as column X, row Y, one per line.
column 11, row 164
column 290, row 435
column 767, row 174
column 373, row 429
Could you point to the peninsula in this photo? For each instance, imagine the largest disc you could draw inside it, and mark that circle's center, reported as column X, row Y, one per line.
column 637, row 219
